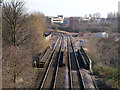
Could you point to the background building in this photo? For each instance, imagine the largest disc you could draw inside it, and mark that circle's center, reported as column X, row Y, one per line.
column 57, row 20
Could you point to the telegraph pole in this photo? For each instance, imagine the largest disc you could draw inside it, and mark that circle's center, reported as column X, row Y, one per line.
column 0, row 44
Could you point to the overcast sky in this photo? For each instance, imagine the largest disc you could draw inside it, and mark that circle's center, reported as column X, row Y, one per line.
column 72, row 7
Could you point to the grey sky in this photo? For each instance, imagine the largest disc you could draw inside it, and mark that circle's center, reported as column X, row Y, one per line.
column 72, row 7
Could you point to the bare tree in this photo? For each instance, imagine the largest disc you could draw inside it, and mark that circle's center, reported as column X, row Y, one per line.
column 118, row 22
column 74, row 24
column 22, row 37
column 90, row 15
column 38, row 27
column 108, row 51
column 96, row 15
column 15, row 31
column 112, row 16
column 14, row 21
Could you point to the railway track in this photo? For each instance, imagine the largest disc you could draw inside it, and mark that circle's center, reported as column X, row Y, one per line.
column 57, row 76
column 76, row 80
column 59, row 80
column 49, row 64
column 53, row 82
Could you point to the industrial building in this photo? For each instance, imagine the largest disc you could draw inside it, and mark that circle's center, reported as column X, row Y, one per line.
column 86, row 19
column 57, row 20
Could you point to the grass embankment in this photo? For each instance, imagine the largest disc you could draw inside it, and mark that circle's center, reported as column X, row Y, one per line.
column 107, row 71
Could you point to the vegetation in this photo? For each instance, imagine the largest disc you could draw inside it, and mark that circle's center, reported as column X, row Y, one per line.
column 22, row 39
column 38, row 26
column 118, row 22
column 108, row 74
column 90, row 27
column 104, row 54
column 93, row 25
column 14, row 23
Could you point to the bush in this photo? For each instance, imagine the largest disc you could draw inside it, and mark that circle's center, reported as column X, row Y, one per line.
column 109, row 75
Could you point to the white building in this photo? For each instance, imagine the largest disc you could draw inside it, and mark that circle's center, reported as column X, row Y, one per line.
column 48, row 37
column 86, row 19
column 58, row 20
column 102, row 34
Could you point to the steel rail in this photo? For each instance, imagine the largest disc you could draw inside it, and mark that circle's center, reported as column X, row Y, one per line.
column 80, row 76
column 69, row 65
column 53, row 82
column 48, row 66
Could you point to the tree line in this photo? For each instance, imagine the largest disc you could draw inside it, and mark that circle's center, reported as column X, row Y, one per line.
column 22, row 38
